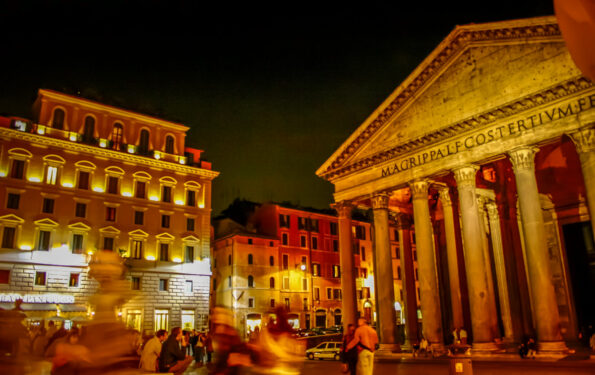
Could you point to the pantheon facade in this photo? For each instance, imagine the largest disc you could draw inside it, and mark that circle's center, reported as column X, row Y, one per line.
column 484, row 158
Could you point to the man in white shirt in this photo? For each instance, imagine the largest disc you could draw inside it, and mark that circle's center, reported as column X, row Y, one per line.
column 151, row 351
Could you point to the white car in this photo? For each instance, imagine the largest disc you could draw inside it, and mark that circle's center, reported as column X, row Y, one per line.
column 328, row 349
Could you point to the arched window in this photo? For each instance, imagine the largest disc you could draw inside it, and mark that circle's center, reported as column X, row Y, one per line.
column 143, row 144
column 251, row 281
column 117, row 132
column 272, row 282
column 250, row 259
column 58, row 120
column 89, row 130
column 169, row 144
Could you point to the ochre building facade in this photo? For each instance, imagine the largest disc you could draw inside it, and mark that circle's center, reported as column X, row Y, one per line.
column 83, row 177
column 487, row 151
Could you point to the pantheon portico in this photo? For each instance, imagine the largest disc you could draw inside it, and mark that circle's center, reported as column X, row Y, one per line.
column 485, row 156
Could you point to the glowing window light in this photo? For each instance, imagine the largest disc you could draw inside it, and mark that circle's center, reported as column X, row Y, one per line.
column 180, row 202
column 150, row 257
column 178, row 260
column 34, row 179
column 131, row 149
column 67, row 184
column 40, row 129
column 157, row 155
column 73, row 136
column 126, row 194
column 98, row 189
column 3, row 174
column 26, row 247
column 20, row 125
column 102, row 143
column 154, row 198
column 201, row 205
column 51, row 175
column 90, row 252
column 182, row 160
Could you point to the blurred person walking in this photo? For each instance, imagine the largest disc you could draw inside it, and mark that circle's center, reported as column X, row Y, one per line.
column 149, row 359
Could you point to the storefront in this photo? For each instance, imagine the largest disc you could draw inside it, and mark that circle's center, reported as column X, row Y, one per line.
column 41, row 308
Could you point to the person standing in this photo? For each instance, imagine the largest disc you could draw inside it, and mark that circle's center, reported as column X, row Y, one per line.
column 365, row 338
column 173, row 358
column 151, row 351
column 349, row 357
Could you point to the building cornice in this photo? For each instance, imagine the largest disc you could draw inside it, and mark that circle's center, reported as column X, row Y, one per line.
column 106, row 153
column 516, row 31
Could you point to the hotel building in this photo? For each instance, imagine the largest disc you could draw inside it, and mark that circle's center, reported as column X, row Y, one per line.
column 83, row 177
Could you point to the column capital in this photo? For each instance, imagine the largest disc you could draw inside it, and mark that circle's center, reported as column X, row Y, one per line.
column 584, row 139
column 492, row 208
column 481, row 201
column 419, row 189
column 343, row 209
column 465, row 175
column 380, row 201
column 403, row 221
column 445, row 198
column 523, row 158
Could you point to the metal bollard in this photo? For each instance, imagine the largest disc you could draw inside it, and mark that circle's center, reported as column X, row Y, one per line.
column 460, row 360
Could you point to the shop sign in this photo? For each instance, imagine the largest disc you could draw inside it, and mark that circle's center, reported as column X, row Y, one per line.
column 37, row 298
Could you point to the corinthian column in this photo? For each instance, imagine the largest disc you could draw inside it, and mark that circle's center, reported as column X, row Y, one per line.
column 479, row 302
column 494, row 219
column 426, row 261
column 538, row 264
column 349, row 301
column 451, row 255
column 385, row 292
column 584, row 141
column 409, row 296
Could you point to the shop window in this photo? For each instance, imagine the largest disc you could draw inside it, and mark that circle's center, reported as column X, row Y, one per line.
column 164, row 252
column 188, row 320
column 40, row 278
column 108, row 243
column 43, row 240
column 169, row 144
column 163, row 285
column 110, row 213
column 137, row 249
column 161, row 320
column 77, row 243
column 58, row 119
column 140, row 190
column 74, row 280
column 165, row 221
column 117, row 133
column 17, row 169
column 135, row 283
column 48, row 206
column 166, row 194
column 83, row 180
column 12, row 201
column 250, row 281
column 80, row 210
column 139, row 217
column 189, row 254
column 8, row 237
column 134, row 320
column 272, row 283
column 188, row 287
column 250, row 259
column 190, row 224
column 4, row 276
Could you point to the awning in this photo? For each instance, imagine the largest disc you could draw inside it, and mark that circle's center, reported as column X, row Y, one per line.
column 45, row 307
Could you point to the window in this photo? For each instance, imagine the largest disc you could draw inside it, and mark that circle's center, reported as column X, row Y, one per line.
column 140, row 190
column 18, row 169
column 165, row 221
column 229, row 260
column 250, row 259
column 397, row 253
column 77, row 243
column 337, row 294
column 303, row 241
column 251, row 281
column 355, row 248
column 317, row 294
column 365, row 273
column 117, row 136
column 214, row 283
column 169, row 144
column 48, row 206
column 416, row 277
column 271, row 244
column 190, row 225
column 336, row 270
column 139, row 217
column 191, row 198
column 137, row 249
column 366, row 292
column 304, row 284
column 285, row 261
column 418, row 294
column 163, row 285
column 166, row 194
column 58, row 120
column 135, row 283
column 83, row 182
column 363, row 253
column 396, row 234
column 80, row 210
column 161, row 320
column 399, row 273
column 334, row 229
column 329, row 293
column 51, row 175
column 43, row 241
column 108, row 243
column 188, row 286
column 272, row 283
column 335, row 246
column 189, row 254
column 287, row 304
column 40, row 278
column 250, row 242
column 89, row 130
column 8, row 238
column 285, row 239
column 143, row 144
column 302, row 223
column 12, row 201
column 413, row 237
column 360, row 232
column 315, row 243
column 272, row 302
column 286, row 282
column 315, row 269
column 250, row 302
column 4, row 276
column 272, row 260
column 164, row 252
column 304, row 264
column 305, row 304
column 415, row 255
column 110, row 213
column 112, row 184
column 229, row 281
column 313, row 225
column 284, row 221
column 74, row 280
column 188, row 320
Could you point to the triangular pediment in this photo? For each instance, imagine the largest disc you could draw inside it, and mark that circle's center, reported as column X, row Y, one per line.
column 46, row 222
column 12, row 218
column 165, row 236
column 190, row 238
column 138, row 233
column 477, row 70
column 79, row 226
column 109, row 229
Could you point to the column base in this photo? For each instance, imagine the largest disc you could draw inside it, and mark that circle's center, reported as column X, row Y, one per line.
column 552, row 347
column 388, row 349
column 484, row 347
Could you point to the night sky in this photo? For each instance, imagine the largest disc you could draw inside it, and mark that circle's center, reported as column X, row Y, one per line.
column 270, row 92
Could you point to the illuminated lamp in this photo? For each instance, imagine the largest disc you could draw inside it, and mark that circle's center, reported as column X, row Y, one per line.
column 131, row 149
column 34, row 179
column 102, row 143
column 182, row 160
column 119, row 313
column 154, row 198
column 178, row 260
column 90, row 252
column 40, row 129
column 67, row 184
column 3, row 174
column 126, row 193
column 201, row 205
column 26, row 247
column 303, row 267
column 180, row 202
column 98, row 189
column 150, row 257
column 73, row 136
column 157, row 155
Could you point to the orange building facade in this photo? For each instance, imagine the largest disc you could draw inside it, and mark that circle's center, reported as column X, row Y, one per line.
column 83, row 177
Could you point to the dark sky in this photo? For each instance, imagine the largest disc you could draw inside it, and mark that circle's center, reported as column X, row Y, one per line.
column 270, row 92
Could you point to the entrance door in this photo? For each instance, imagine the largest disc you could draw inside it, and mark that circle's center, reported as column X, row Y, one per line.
column 580, row 252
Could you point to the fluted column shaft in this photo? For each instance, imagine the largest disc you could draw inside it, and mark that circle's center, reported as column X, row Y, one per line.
column 426, row 261
column 452, row 259
column 584, row 141
column 500, row 265
column 349, row 301
column 479, row 304
column 385, row 291
column 538, row 264
column 409, row 292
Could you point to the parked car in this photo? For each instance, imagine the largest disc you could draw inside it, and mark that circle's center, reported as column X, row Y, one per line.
column 333, row 330
column 328, row 349
column 316, row 331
